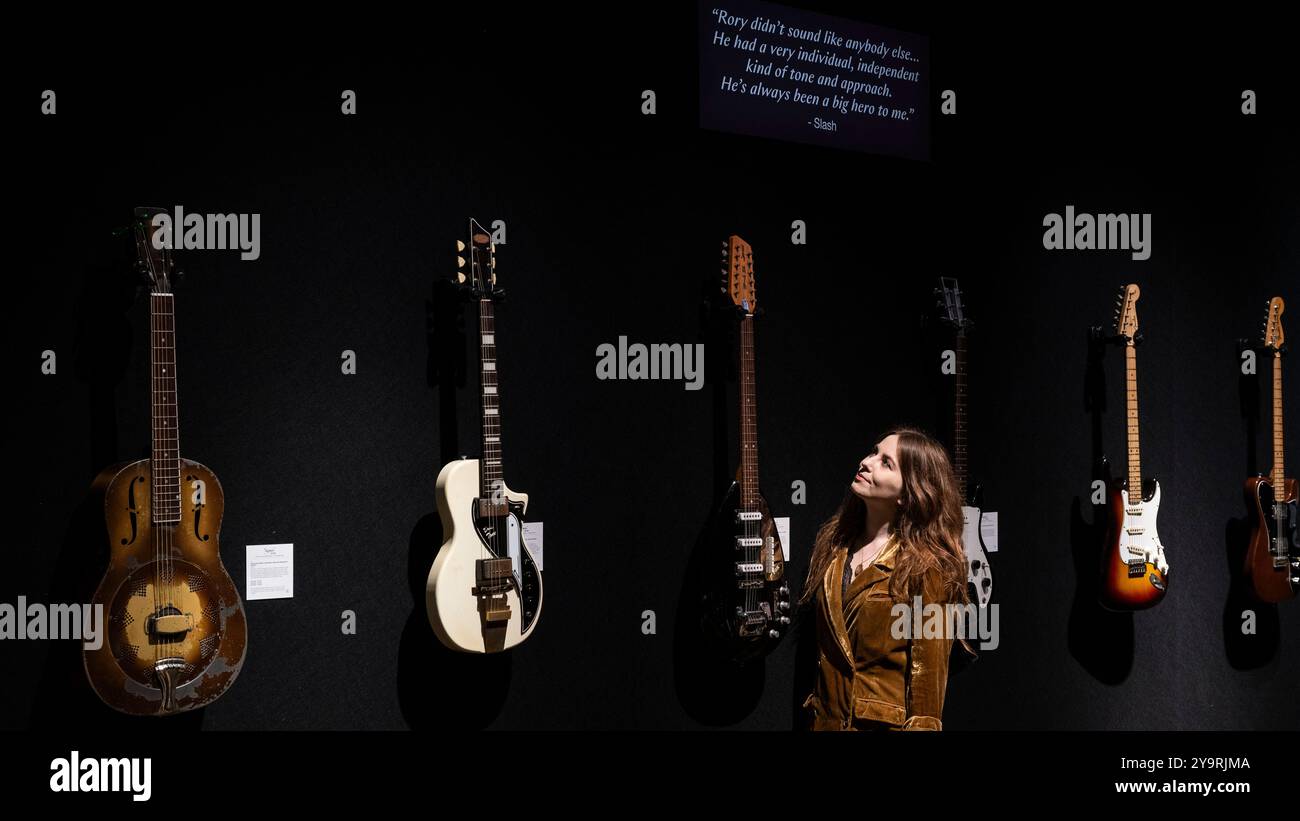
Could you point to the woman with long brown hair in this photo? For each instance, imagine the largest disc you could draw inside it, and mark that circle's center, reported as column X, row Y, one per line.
column 895, row 536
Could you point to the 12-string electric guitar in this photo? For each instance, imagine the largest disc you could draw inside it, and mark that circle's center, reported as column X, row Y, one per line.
column 747, row 598
column 175, row 621
column 484, row 592
column 1134, row 572
column 1273, row 557
column 979, row 576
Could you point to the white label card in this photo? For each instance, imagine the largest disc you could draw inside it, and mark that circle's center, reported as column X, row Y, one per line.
column 783, row 530
column 269, row 571
column 533, row 538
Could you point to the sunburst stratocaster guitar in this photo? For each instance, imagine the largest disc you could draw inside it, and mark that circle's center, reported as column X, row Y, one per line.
column 484, row 592
column 1273, row 556
column 747, row 599
column 176, row 628
column 1134, row 572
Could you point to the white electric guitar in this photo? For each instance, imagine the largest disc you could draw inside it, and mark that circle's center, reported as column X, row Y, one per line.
column 979, row 576
column 484, row 592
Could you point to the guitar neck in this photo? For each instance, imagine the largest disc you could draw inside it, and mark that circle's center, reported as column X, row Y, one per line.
column 164, row 460
column 1279, row 468
column 1131, row 402
column 749, row 494
column 959, row 417
column 490, row 472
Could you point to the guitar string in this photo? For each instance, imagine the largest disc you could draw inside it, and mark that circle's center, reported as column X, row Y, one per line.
column 153, row 466
column 170, row 464
column 748, row 499
column 174, row 453
column 161, row 469
column 490, row 487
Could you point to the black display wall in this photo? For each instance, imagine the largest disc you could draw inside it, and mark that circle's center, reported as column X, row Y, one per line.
column 613, row 220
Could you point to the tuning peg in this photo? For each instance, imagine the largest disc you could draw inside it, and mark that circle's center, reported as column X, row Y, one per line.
column 460, row 262
column 460, row 246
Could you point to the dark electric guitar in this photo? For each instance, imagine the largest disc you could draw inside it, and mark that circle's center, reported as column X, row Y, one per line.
column 1273, row 557
column 747, row 604
column 979, row 575
column 175, row 621
column 1134, row 572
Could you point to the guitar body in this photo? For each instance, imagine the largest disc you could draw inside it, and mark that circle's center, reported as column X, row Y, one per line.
column 1274, row 551
column 979, row 578
column 464, row 620
column 739, row 622
column 176, row 632
column 1134, row 574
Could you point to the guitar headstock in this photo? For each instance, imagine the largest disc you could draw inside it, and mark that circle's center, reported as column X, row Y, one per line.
column 1273, row 335
column 1126, row 317
column 478, row 273
column 153, row 252
column 738, row 274
column 951, row 309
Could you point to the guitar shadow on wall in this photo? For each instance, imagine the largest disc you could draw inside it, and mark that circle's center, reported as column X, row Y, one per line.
column 1101, row 640
column 437, row 687
column 101, row 355
column 1245, row 651
column 710, row 687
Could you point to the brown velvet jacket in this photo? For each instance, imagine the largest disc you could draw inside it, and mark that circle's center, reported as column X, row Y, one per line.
column 867, row 679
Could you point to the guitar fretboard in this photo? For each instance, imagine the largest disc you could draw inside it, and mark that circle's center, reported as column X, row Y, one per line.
column 959, row 416
column 165, row 456
column 1131, row 403
column 1279, row 471
column 490, row 472
column 749, row 492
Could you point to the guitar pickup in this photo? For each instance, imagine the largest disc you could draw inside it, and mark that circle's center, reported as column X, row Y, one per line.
column 488, row 508
column 748, row 516
column 748, row 567
column 494, row 577
column 742, row 542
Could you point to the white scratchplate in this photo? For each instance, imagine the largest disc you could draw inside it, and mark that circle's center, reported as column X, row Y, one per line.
column 1138, row 538
column 975, row 555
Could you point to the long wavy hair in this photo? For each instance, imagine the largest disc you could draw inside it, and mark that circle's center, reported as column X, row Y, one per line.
column 928, row 525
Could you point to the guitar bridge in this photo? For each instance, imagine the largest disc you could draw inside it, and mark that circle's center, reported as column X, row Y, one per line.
column 1137, row 568
column 169, row 623
column 495, row 578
